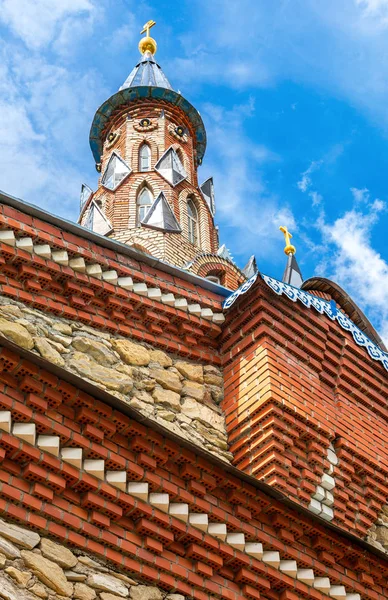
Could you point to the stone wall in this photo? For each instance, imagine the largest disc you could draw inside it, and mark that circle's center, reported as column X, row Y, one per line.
column 34, row 567
column 378, row 533
column 182, row 396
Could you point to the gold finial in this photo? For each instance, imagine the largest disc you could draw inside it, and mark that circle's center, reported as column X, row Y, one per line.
column 147, row 43
column 289, row 248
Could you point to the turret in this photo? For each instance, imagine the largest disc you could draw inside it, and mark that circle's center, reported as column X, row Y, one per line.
column 148, row 141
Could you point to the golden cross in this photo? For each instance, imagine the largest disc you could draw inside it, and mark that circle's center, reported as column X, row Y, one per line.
column 147, row 27
column 289, row 248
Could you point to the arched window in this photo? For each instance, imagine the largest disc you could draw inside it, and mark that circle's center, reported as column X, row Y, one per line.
column 192, row 222
column 145, row 157
column 144, row 202
column 216, row 276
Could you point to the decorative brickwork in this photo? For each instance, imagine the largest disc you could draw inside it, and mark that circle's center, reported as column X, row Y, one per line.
column 295, row 383
column 120, row 205
column 98, row 481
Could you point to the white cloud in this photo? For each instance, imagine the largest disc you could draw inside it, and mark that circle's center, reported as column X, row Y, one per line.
column 37, row 22
column 305, row 182
column 352, row 261
column 373, row 7
column 360, row 195
column 45, row 114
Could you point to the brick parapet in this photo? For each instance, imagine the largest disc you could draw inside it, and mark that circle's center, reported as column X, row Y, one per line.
column 294, row 383
column 74, row 294
column 41, row 491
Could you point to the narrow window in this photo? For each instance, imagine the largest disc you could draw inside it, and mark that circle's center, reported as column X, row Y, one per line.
column 145, row 158
column 144, row 202
column 192, row 223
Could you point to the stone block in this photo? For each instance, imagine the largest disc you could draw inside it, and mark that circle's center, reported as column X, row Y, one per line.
column 154, row 294
column 58, row 553
column 319, row 494
column 168, row 299
column 49, row 443
column 272, row 558
column 289, row 567
column 78, row 264
column 117, row 478
column 48, row 573
column 328, row 499
column 61, row 257
column 140, row 288
column 218, row 318
column 107, row 583
column 201, row 521
column 332, row 457
column 7, row 236
column 25, row 432
column 338, row 592
column 327, row 482
column 160, row 501
column 254, row 549
column 322, row 584
column 131, row 353
column 43, row 250
column 138, row 489
column 306, row 576
column 236, row 540
column 195, row 309
column 207, row 313
column 26, row 244
column 18, row 535
column 73, row 456
column 190, row 371
column 94, row 270
column 125, row 282
column 327, row 512
column 179, row 510
column 181, row 303
column 167, row 398
column 5, row 420
column 110, row 276
column 315, row 507
column 218, row 530
column 95, row 467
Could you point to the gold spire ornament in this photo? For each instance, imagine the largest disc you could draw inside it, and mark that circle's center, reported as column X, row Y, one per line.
column 147, row 43
column 289, row 248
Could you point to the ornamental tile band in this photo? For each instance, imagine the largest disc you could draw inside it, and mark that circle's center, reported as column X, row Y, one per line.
column 322, row 306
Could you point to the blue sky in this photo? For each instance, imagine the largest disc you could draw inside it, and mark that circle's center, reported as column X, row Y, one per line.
column 294, row 97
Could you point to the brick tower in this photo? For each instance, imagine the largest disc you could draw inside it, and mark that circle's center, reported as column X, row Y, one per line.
column 148, row 142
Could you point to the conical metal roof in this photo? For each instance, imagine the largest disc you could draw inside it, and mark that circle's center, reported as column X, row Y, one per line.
column 147, row 72
column 292, row 273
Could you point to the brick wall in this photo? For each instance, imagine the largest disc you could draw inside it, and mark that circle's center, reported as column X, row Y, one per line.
column 89, row 477
column 306, row 409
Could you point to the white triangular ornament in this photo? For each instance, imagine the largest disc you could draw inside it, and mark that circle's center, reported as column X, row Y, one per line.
column 207, row 189
column 170, row 167
column 115, row 173
column 96, row 221
column 161, row 216
column 86, row 192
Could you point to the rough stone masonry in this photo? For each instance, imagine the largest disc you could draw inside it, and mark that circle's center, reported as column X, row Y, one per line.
column 182, row 396
column 34, row 567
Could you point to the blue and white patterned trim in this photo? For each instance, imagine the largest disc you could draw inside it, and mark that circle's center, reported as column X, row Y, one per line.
column 241, row 290
column 320, row 305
